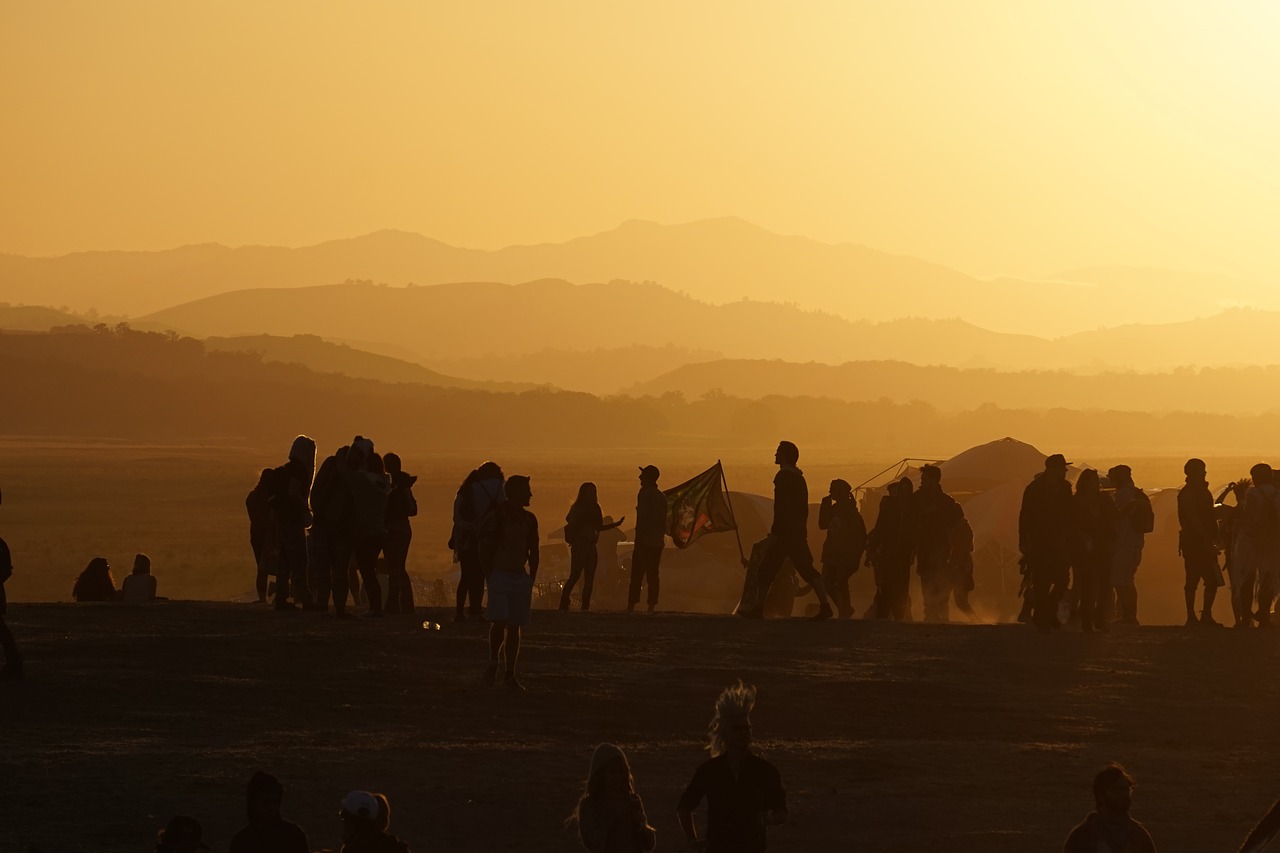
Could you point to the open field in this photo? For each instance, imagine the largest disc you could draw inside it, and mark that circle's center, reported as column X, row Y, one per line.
column 889, row 737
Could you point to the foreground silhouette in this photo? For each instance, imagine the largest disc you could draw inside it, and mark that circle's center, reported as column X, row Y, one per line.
column 1110, row 829
column 609, row 816
column 267, row 831
column 366, row 825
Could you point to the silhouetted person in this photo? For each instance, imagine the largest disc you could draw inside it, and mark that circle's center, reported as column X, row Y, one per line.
column 1134, row 519
column 936, row 513
column 1046, row 530
column 789, row 536
column 1198, row 542
column 1260, row 541
column 1110, row 829
column 267, row 831
column 478, row 495
column 890, row 550
column 610, row 816
column 960, row 565
column 366, row 825
column 744, row 792
column 401, row 506
column 330, row 536
column 182, row 835
column 262, row 529
column 582, row 527
column 1238, row 563
column 140, row 585
column 95, row 583
column 12, row 657
column 846, row 538
column 290, row 500
column 651, row 530
column 1094, row 539
column 369, row 486
column 508, row 544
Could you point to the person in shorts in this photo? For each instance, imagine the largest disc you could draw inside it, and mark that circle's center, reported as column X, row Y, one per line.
column 509, row 557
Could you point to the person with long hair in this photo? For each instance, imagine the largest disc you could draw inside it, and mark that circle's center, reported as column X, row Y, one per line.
column 744, row 792
column 95, row 583
column 262, row 530
column 582, row 527
column 610, row 815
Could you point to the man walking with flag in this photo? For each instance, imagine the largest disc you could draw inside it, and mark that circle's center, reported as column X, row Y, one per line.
column 789, row 536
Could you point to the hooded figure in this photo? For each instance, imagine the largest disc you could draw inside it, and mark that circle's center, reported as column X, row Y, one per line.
column 610, row 816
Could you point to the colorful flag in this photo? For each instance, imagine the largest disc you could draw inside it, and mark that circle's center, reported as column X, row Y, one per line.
column 699, row 506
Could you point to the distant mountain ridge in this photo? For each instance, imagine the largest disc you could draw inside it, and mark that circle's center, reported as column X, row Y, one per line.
column 714, row 260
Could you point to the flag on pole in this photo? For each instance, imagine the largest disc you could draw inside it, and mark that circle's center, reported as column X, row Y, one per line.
column 699, row 506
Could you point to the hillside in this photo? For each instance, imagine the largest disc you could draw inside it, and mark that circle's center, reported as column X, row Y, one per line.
column 715, row 260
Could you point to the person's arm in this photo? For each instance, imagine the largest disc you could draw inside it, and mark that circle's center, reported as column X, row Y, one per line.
column 776, row 799
column 618, row 523
column 533, row 556
column 824, row 513
column 689, row 801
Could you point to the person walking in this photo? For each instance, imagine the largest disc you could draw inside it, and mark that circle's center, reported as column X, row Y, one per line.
column 1046, row 529
column 789, row 536
column 582, row 527
column 508, row 545
column 650, row 538
column 846, row 538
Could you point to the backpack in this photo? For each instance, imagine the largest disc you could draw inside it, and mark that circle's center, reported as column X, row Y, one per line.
column 1142, row 516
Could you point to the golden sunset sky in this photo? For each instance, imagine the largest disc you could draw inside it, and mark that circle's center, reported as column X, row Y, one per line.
column 998, row 137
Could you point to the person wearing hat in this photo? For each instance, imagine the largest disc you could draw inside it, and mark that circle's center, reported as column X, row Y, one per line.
column 846, row 538
column 1134, row 520
column 366, row 824
column 1046, row 529
column 650, row 536
column 182, row 835
column 267, row 831
column 937, row 514
column 789, row 535
column 508, row 543
column 1198, row 542
column 610, row 815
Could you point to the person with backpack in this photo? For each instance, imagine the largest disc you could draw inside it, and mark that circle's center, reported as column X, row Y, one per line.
column 1134, row 520
column 1198, row 542
column 401, row 506
column 582, row 528
column 1261, row 546
column 480, row 493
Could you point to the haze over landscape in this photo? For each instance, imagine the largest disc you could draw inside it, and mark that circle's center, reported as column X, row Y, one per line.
column 578, row 239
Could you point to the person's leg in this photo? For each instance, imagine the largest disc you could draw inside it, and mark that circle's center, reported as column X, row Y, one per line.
column 407, row 604
column 475, row 585
column 367, row 551
column 1192, row 580
column 651, row 575
column 339, row 560
column 577, row 559
column 802, row 559
column 838, row 588
column 319, row 569
column 513, row 648
column 637, row 576
column 396, row 550
column 590, row 559
column 497, row 633
column 1086, row 590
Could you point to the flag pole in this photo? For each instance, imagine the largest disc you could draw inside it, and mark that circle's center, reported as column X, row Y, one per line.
column 729, row 501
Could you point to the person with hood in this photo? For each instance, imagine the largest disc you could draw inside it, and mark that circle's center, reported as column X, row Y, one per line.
column 789, row 535
column 1110, row 827
column 262, row 530
column 1134, row 520
column 1046, row 530
column 846, row 538
column 369, row 487
column 610, row 816
column 478, row 496
column 1094, row 536
column 366, row 824
column 743, row 791
column 95, row 583
column 936, row 515
column 291, row 503
column 401, row 506
column 582, row 527
column 508, row 543
column 12, row 670
column 650, row 536
column 1198, row 542
column 267, row 831
column 140, row 586
column 890, row 550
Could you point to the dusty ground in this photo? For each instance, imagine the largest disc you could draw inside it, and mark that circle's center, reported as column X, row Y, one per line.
column 889, row 737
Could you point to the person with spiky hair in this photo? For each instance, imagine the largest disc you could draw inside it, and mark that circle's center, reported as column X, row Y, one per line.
column 743, row 791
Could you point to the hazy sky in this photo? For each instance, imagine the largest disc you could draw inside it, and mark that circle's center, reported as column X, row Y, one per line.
column 998, row 137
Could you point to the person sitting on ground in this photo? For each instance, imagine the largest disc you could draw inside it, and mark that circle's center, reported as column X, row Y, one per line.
column 1110, row 828
column 182, row 835
column 744, row 792
column 140, row 586
column 610, row 816
column 366, row 825
column 267, row 831
column 95, row 583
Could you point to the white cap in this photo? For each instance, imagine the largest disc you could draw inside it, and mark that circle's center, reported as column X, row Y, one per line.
column 360, row 804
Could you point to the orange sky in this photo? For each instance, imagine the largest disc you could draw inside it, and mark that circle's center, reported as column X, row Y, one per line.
column 999, row 137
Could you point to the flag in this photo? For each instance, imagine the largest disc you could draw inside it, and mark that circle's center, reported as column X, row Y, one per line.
column 699, row 506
